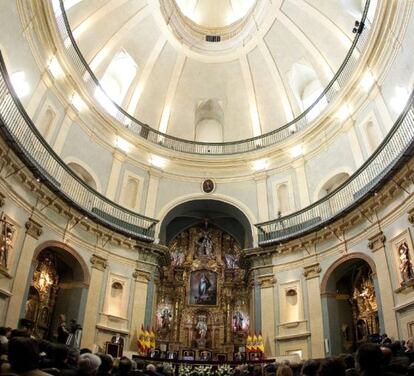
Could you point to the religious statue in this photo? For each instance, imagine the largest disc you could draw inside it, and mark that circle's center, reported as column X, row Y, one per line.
column 5, row 243
column 231, row 261
column 178, row 257
column 238, row 318
column 201, row 327
column 205, row 245
column 166, row 318
column 406, row 267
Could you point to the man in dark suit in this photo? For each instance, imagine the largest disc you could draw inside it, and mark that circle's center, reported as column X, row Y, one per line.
column 117, row 339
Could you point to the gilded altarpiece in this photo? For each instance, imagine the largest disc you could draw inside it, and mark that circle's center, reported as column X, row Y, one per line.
column 202, row 296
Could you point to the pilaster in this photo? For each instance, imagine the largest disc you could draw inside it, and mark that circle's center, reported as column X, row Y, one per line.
column 267, row 284
column 376, row 244
column 63, row 132
column 154, row 180
column 118, row 159
column 312, row 273
column 301, row 181
column 21, row 278
column 98, row 266
column 261, row 193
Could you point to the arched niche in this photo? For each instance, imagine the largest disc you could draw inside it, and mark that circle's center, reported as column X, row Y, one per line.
column 84, row 173
column 332, row 183
column 220, row 214
column 351, row 314
column 209, row 118
column 58, row 285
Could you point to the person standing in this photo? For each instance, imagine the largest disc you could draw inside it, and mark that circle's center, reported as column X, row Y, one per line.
column 62, row 330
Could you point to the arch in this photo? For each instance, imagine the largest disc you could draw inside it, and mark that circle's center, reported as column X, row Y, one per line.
column 64, row 247
column 342, row 260
column 209, row 117
column 329, row 176
column 242, row 208
column 283, row 199
column 372, row 134
column 92, row 175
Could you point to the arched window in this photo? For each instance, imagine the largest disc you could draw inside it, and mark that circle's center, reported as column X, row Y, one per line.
column 283, row 203
column 209, row 118
column 116, row 81
column 83, row 174
column 306, row 88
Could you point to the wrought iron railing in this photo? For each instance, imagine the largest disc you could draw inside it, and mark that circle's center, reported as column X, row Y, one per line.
column 22, row 135
column 366, row 180
column 301, row 122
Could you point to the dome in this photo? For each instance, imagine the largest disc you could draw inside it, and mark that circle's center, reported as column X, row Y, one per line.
column 264, row 63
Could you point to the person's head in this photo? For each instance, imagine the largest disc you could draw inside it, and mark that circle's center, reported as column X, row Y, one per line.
column 125, row 366
column 88, row 364
column 284, row 370
column 410, row 370
column 349, row 361
column 331, row 367
column 150, row 367
column 310, row 368
column 368, row 359
column 23, row 354
column 85, row 351
column 73, row 356
column 19, row 333
column 410, row 343
column 106, row 363
column 3, row 331
column 386, row 355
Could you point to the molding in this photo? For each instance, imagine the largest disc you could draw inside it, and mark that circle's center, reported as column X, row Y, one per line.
column 33, row 228
column 266, row 281
column 141, row 276
column 293, row 336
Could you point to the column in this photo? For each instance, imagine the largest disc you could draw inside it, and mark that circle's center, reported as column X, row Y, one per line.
column 261, row 193
column 138, row 307
column 268, row 318
column 301, row 181
column 376, row 244
column 98, row 266
column 63, row 132
column 311, row 273
column 118, row 159
column 21, row 278
column 354, row 143
column 152, row 193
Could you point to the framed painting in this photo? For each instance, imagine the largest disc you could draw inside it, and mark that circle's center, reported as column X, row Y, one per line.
column 203, row 287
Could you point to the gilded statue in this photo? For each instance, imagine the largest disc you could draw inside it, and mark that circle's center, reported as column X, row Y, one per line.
column 205, row 245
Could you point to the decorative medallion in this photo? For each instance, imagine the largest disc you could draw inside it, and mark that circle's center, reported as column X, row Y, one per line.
column 208, row 186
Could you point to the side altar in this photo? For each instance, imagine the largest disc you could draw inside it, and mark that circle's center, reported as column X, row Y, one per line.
column 202, row 301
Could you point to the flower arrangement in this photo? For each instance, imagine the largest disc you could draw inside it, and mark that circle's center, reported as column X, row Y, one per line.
column 224, row 370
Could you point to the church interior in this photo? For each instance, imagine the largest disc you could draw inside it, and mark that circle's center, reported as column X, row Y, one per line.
column 207, row 182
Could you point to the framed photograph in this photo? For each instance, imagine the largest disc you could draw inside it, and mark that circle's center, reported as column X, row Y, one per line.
column 203, row 287
column 188, row 355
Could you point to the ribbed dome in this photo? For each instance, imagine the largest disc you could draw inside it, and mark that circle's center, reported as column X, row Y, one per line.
column 260, row 75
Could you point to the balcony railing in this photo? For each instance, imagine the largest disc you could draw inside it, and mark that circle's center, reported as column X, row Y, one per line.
column 21, row 134
column 340, row 79
column 396, row 147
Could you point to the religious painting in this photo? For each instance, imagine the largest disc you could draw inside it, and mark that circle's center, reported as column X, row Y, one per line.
column 203, row 287
column 240, row 321
column 164, row 317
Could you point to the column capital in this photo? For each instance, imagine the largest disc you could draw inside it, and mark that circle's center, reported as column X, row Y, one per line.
column 298, row 162
column 267, row 281
column 312, row 271
column 155, row 172
column 410, row 215
column 33, row 228
column 119, row 155
column 262, row 175
column 98, row 262
column 141, row 276
column 377, row 241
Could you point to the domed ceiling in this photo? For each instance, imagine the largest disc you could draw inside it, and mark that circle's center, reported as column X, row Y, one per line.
column 214, row 70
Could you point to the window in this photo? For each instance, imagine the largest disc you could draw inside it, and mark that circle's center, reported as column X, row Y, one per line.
column 283, row 201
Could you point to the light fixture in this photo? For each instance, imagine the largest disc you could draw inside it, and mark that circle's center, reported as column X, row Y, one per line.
column 400, row 99
column 344, row 112
column 296, row 151
column 260, row 165
column 55, row 68
column 158, row 161
column 367, row 80
column 122, row 144
column 20, row 84
column 78, row 102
